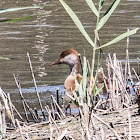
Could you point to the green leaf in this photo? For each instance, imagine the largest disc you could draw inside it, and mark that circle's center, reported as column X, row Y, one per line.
column 17, row 19
column 77, row 22
column 101, row 2
column 108, row 14
column 120, row 37
column 99, row 89
column 92, row 7
column 5, row 58
column 17, row 9
column 84, row 79
column 24, row 18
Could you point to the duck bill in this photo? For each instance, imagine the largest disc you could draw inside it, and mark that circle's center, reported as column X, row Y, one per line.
column 56, row 62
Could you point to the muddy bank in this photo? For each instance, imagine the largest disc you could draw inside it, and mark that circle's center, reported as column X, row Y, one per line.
column 125, row 122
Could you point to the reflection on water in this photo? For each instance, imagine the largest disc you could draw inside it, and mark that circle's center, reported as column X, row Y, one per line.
column 31, row 97
column 44, row 37
column 41, row 89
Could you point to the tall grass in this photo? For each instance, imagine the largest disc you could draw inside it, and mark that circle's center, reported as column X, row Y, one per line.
column 83, row 95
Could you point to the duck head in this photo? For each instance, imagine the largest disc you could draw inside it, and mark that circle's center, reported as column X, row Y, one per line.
column 71, row 58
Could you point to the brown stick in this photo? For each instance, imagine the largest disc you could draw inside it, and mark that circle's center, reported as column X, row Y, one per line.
column 17, row 112
column 2, row 121
column 24, row 102
column 5, row 100
column 36, row 89
column 130, row 127
column 20, row 130
column 108, row 126
column 58, row 106
column 136, row 74
column 50, row 117
column 11, row 108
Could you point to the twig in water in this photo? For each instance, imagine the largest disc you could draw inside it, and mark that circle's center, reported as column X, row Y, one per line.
column 31, row 68
column 51, row 120
column 57, row 97
column 24, row 102
column 17, row 112
column 136, row 74
column 58, row 106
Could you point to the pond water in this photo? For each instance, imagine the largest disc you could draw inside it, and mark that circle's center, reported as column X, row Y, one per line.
column 46, row 36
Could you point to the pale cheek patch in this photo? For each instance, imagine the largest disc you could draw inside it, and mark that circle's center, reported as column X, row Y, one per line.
column 70, row 59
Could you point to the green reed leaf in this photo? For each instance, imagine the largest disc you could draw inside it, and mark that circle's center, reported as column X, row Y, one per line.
column 24, row 18
column 107, row 14
column 120, row 37
column 17, row 9
column 84, row 79
column 92, row 7
column 99, row 89
column 17, row 19
column 77, row 22
column 4, row 58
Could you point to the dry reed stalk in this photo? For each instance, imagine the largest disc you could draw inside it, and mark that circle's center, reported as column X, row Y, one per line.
column 5, row 101
column 36, row 89
column 53, row 110
column 2, row 122
column 118, row 76
column 138, row 67
column 84, row 112
column 20, row 129
column 26, row 128
column 50, row 117
column 110, row 85
column 61, row 137
column 54, row 101
column 21, row 95
column 11, row 108
column 136, row 74
column 36, row 113
column 24, row 102
column 51, row 122
column 128, row 75
column 14, row 108
column 130, row 126
column 102, row 133
column 127, row 60
column 57, row 95
column 57, row 113
column 108, row 126
column 98, row 104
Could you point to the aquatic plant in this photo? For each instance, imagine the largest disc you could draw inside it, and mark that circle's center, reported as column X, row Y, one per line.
column 83, row 95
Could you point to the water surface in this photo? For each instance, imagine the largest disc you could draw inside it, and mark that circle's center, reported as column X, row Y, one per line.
column 44, row 37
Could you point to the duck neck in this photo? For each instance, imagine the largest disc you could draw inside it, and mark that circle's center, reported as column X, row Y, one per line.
column 74, row 69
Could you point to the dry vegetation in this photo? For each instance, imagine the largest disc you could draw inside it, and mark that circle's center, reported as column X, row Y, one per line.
column 113, row 117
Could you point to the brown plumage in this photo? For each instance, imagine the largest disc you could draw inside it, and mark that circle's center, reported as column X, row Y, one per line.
column 71, row 58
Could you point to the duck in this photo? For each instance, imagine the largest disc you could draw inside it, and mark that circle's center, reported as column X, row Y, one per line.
column 71, row 58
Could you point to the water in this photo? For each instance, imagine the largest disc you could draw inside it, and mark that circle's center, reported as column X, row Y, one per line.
column 46, row 36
